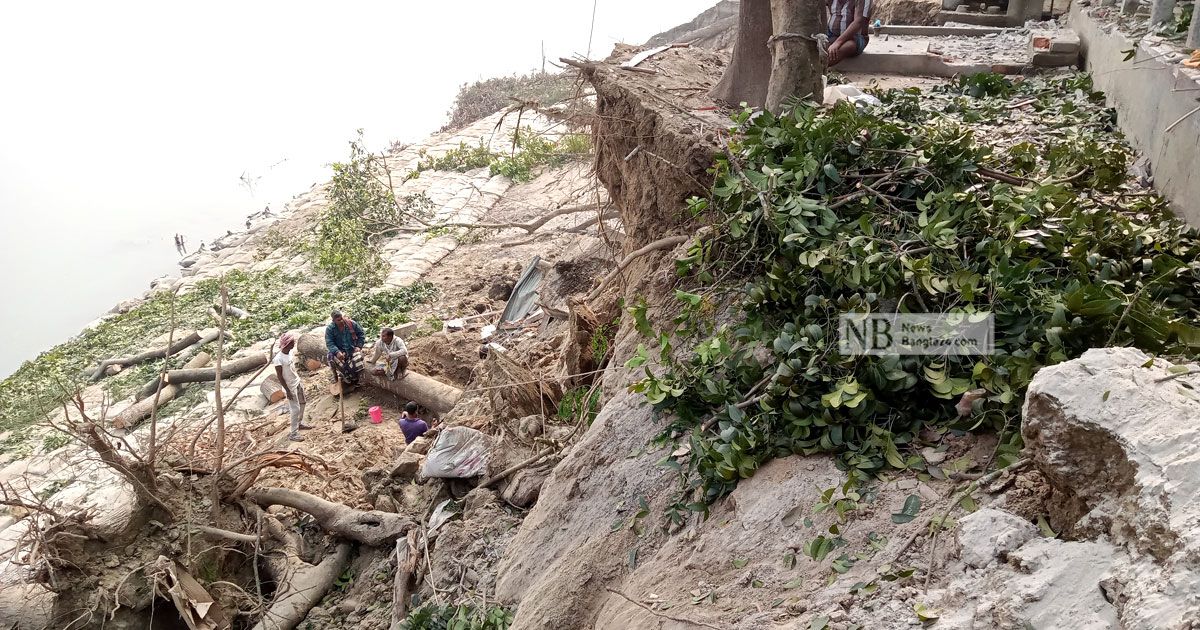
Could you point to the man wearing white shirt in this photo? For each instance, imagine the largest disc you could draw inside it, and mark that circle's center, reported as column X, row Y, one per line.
column 396, row 353
column 285, row 371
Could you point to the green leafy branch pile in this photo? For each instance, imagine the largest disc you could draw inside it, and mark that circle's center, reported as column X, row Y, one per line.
column 531, row 152
column 272, row 298
column 904, row 208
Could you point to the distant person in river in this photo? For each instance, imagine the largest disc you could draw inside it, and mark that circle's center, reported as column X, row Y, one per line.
column 391, row 355
column 285, row 371
column 412, row 426
column 344, row 340
column 848, row 33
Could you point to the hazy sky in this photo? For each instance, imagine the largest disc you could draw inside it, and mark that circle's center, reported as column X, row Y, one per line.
column 122, row 123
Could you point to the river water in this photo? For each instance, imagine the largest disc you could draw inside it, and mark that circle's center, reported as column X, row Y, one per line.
column 125, row 123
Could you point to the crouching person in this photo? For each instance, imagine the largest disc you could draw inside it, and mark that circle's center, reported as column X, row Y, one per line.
column 285, row 371
column 391, row 355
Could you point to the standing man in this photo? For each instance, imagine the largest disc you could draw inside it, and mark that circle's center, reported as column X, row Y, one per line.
column 344, row 341
column 848, row 34
column 395, row 351
column 285, row 371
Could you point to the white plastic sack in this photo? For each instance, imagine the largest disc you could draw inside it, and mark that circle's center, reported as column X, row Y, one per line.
column 849, row 92
column 458, row 453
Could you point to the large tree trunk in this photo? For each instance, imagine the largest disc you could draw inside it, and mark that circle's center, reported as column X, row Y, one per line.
column 746, row 78
column 172, row 350
column 367, row 527
column 138, row 411
column 434, row 395
column 796, row 68
column 305, row 587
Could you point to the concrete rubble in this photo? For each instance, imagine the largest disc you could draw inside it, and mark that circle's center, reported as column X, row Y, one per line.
column 1114, row 432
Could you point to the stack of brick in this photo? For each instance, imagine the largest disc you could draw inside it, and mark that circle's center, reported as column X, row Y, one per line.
column 1051, row 49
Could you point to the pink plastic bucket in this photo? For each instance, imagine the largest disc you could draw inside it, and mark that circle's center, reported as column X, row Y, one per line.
column 376, row 415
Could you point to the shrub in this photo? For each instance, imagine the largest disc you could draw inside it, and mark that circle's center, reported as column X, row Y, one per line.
column 362, row 211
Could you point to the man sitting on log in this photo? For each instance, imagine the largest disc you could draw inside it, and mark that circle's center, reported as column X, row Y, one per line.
column 395, row 352
column 344, row 339
column 285, row 371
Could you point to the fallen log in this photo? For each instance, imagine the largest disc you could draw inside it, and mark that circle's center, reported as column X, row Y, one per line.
column 369, row 527
column 172, row 350
column 434, row 395
column 308, row 585
column 228, row 369
column 142, row 409
column 205, row 339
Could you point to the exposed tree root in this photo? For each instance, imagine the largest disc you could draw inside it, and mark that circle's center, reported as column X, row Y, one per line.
column 408, row 556
column 372, row 527
column 662, row 243
column 304, row 587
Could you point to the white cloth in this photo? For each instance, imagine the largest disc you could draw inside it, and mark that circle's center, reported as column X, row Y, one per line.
column 290, row 378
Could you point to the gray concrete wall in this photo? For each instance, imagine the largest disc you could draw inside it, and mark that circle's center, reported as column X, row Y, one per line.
column 1141, row 90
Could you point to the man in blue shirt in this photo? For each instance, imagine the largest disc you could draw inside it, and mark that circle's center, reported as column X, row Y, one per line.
column 344, row 339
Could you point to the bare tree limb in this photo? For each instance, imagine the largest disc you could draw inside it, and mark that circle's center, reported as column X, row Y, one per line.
column 220, row 457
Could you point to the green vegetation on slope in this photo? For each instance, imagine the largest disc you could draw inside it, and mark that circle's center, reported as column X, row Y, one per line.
column 894, row 210
column 462, row 617
column 531, row 152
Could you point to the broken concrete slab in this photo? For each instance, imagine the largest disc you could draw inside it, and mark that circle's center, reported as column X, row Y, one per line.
column 1113, row 431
